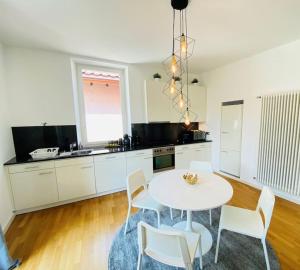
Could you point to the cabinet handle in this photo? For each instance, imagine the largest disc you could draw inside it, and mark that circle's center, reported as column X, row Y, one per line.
column 31, row 167
column 179, row 153
column 86, row 167
column 199, row 150
column 110, row 157
column 45, row 173
column 225, row 132
column 137, row 154
column 224, row 151
column 148, row 157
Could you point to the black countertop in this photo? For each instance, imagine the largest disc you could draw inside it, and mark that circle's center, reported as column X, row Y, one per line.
column 97, row 151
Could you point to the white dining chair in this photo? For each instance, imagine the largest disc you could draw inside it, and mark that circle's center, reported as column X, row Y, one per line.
column 136, row 180
column 253, row 223
column 168, row 245
column 201, row 166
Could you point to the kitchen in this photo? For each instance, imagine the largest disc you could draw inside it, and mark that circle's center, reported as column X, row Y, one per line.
column 121, row 119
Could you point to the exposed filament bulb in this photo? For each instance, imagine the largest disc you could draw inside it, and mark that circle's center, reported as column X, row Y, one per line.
column 172, row 86
column 183, row 44
column 174, row 64
column 181, row 102
column 187, row 117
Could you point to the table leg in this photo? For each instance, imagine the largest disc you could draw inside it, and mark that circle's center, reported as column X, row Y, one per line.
column 188, row 226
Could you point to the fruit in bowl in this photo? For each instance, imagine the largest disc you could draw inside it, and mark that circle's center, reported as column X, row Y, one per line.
column 190, row 178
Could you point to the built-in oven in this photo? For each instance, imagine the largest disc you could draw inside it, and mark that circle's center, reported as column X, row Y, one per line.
column 163, row 158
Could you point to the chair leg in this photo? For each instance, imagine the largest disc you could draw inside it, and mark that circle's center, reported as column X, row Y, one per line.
column 218, row 245
column 181, row 214
column 139, row 264
column 158, row 219
column 171, row 213
column 127, row 219
column 189, row 266
column 200, row 255
column 210, row 221
column 263, row 241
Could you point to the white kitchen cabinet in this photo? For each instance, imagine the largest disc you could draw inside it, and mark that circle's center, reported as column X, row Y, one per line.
column 110, row 171
column 143, row 160
column 33, row 188
column 75, row 178
column 201, row 152
column 231, row 137
column 184, row 154
column 157, row 104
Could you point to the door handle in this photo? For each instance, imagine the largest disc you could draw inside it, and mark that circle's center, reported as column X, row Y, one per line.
column 138, row 154
column 110, row 157
column 45, row 173
column 31, row 167
column 86, row 167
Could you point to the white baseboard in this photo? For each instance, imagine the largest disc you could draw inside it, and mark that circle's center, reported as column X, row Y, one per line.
column 257, row 185
column 5, row 229
column 27, row 210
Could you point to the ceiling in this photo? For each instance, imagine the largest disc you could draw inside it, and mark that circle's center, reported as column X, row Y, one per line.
column 139, row 31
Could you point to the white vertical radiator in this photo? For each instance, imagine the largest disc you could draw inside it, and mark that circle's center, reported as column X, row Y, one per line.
column 279, row 151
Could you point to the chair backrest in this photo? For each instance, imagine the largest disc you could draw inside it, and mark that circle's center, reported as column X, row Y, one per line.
column 266, row 204
column 202, row 166
column 134, row 181
column 169, row 247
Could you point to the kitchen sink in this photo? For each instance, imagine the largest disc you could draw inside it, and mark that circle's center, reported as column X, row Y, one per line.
column 81, row 152
column 76, row 153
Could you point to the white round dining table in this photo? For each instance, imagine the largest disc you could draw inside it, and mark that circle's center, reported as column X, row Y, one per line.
column 211, row 191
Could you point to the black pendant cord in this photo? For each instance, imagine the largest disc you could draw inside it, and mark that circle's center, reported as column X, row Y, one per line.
column 187, row 65
column 173, row 41
column 181, row 71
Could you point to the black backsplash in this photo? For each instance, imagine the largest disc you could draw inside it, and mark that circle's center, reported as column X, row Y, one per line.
column 155, row 134
column 27, row 139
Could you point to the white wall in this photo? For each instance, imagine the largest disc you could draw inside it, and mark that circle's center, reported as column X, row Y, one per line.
column 40, row 87
column 6, row 147
column 275, row 70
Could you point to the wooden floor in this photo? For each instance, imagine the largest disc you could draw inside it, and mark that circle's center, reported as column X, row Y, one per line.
column 79, row 235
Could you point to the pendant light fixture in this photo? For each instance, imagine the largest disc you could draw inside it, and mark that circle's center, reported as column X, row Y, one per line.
column 176, row 65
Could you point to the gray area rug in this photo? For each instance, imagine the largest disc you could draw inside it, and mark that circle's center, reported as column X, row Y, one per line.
column 236, row 251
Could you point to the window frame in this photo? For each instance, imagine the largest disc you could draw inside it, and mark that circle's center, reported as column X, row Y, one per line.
column 79, row 105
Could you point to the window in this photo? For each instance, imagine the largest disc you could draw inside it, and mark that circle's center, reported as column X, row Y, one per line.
column 101, row 100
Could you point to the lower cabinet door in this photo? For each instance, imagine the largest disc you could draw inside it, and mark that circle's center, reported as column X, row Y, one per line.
column 32, row 189
column 230, row 162
column 110, row 173
column 144, row 163
column 182, row 159
column 75, row 181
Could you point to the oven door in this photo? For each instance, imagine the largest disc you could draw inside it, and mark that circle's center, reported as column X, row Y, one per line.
column 163, row 162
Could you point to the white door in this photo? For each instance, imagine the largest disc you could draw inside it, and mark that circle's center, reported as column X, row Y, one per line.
column 110, row 172
column 32, row 189
column 75, row 181
column 231, row 135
